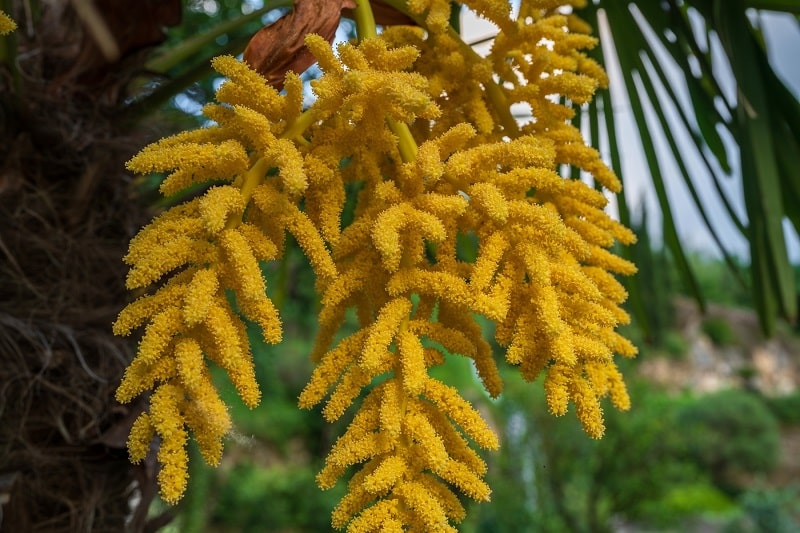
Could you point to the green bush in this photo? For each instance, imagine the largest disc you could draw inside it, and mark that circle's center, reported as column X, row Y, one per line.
column 768, row 510
column 719, row 331
column 282, row 498
column 675, row 345
column 730, row 434
column 785, row 408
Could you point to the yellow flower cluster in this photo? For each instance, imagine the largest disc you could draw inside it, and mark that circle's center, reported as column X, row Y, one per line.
column 7, row 24
column 422, row 125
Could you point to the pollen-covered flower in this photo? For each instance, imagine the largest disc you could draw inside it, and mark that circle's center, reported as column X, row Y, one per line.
column 195, row 252
column 7, row 24
column 419, row 125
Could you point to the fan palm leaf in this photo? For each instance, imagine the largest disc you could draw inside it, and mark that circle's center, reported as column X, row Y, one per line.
column 663, row 50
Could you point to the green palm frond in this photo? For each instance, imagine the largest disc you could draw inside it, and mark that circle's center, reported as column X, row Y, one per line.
column 652, row 41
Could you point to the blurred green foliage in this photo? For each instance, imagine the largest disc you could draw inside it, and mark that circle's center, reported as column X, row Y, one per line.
column 731, row 435
column 719, row 331
column 785, row 408
column 280, row 498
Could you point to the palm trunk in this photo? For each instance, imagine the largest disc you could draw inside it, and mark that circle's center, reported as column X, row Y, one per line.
column 66, row 214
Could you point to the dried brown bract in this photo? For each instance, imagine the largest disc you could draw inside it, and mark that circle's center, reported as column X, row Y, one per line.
column 279, row 47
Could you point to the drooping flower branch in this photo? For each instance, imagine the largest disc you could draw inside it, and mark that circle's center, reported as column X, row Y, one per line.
column 422, row 125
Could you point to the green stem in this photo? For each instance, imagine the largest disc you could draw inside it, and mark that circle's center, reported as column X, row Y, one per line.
column 253, row 177
column 295, row 129
column 365, row 20
column 366, row 29
column 406, row 143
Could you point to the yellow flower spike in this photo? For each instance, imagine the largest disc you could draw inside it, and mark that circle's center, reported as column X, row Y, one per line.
column 587, row 408
column 328, row 370
column 363, row 424
column 208, row 419
column 199, row 294
column 189, row 358
column 330, row 320
column 140, row 437
column 532, row 366
column 218, row 204
column 441, row 285
column 460, row 320
column 144, row 308
column 425, row 506
column 352, row 57
column 161, row 260
column 386, row 474
column 249, row 279
column 617, row 390
column 159, row 334
column 293, row 100
column 383, row 331
column 352, row 279
column 487, row 198
column 324, row 199
column 496, row 11
column 560, row 348
column 578, row 88
column 620, row 344
column 448, row 500
column 490, row 253
column 412, row 362
column 356, row 499
column 588, row 347
column 389, row 224
column 453, row 340
column 437, row 13
column 447, row 207
column 391, row 410
column 229, row 354
column 523, row 343
column 556, row 388
column 381, row 517
column 253, row 127
column 388, row 193
column 497, row 302
column 454, row 139
column 7, row 24
column 180, row 221
column 285, row 156
column 604, row 259
column 140, row 377
column 209, row 445
column 264, row 313
column 319, row 47
column 348, row 389
column 352, row 452
column 461, row 412
column 247, row 88
column 456, row 445
column 168, row 422
column 275, row 205
column 195, row 163
column 432, row 449
column 261, row 245
column 466, row 480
